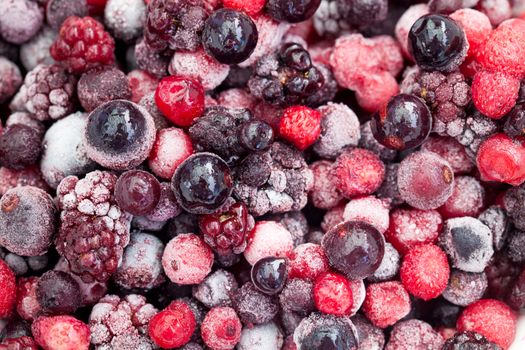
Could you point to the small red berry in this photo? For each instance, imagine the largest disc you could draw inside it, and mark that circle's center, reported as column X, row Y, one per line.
column 251, row 7
column 476, row 25
column 180, row 99
column 141, row 83
column 466, row 200
column 502, row 159
column 20, row 343
column 221, row 328
column 171, row 147
column 8, row 290
column 173, row 326
column 307, row 261
column 61, row 333
column 386, row 303
column 492, row 319
column 301, row 126
column 495, row 93
column 333, row 294
column 425, row 271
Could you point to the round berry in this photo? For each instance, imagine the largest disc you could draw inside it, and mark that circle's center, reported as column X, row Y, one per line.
column 8, row 292
column 467, row 199
column 57, row 11
column 20, row 146
column 229, row 36
column 333, row 294
column 319, row 331
column 173, row 326
column 404, row 123
column 292, row 11
column 307, row 261
column 301, row 126
column 437, row 42
column 172, row 146
column 269, row 275
column 268, row 238
column 354, row 248
column 256, row 135
column 20, row 20
column 61, row 332
column 58, row 293
column 119, row 134
column 386, row 303
column 180, row 99
column 221, row 328
column 414, row 334
column 252, row 306
column 99, row 86
column 464, row 288
column 202, row 183
column 137, row 192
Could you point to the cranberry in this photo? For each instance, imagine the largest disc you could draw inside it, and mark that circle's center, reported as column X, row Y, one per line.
column 502, row 159
column 221, row 328
column 172, row 327
column 137, row 192
column 333, row 294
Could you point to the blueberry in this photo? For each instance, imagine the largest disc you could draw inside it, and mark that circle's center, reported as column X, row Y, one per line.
column 269, row 275
column 256, row 135
column 292, row 11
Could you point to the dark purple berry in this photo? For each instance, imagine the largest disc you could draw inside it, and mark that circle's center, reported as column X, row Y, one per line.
column 363, row 12
column 229, row 36
column 515, row 123
column 354, row 248
column 256, row 135
column 326, row 332
column 58, row 293
column 292, row 11
column 252, row 306
column 404, row 123
column 20, row 146
column 137, row 192
column 202, row 183
column 469, row 341
column 269, row 275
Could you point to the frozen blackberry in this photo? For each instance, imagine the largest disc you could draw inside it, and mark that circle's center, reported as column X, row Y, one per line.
column 286, row 77
column 469, row 341
column 27, row 221
column 121, row 323
column 20, row 20
column 497, row 220
column 273, row 181
column 297, row 297
column 58, row 293
column 174, row 24
column 465, row 288
column 48, row 92
column 473, row 131
column 125, row 18
column 93, row 229
column 252, row 306
column 363, row 13
column 98, row 86
column 329, row 20
column 20, row 146
column 58, row 10
column 319, row 331
column 36, row 50
column 151, row 61
column 10, row 79
column 216, row 289
column 218, row 131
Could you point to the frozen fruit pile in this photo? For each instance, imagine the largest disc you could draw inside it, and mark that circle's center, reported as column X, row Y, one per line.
column 262, row 174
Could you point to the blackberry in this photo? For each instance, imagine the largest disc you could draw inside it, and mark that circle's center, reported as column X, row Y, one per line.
column 273, row 181
column 93, row 230
column 48, row 92
column 174, row 24
column 329, row 20
column 286, row 77
column 469, row 341
column 476, row 128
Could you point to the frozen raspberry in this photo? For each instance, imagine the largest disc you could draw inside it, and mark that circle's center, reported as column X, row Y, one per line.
column 332, row 294
column 425, row 271
column 329, row 21
column 58, row 293
column 466, row 200
column 48, row 92
column 469, row 340
column 268, row 238
column 151, row 61
column 8, row 294
column 497, row 220
column 20, row 146
column 19, row 206
column 307, row 261
column 199, row 66
column 173, row 326
column 389, row 266
column 97, row 45
column 61, row 332
column 494, row 94
column 187, row 259
column 114, row 321
column 125, row 18
column 11, row 79
column 370, row 336
column 369, row 209
column 500, row 159
column 20, row 20
column 468, row 243
column 142, row 84
column 405, row 22
column 301, row 126
column 27, row 305
column 20, row 343
column 297, row 297
column 172, row 146
column 411, row 227
column 221, row 328
column 450, row 150
column 216, row 289
column 358, row 172
column 318, row 330
column 101, row 85
column 414, row 334
column 386, row 303
column 490, row 318
column 464, row 288
column 57, row 11
column 261, row 337
column 93, row 229
column 476, row 25
column 476, row 128
column 324, row 194
column 252, row 306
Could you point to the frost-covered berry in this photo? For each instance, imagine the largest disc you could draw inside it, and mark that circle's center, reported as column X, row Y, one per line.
column 58, row 10
column 389, row 266
column 9, row 290
column 324, row 194
column 63, row 331
column 370, row 336
column 221, row 328
column 318, row 330
column 125, row 18
column 173, row 326
column 20, row 20
column 200, row 66
column 10, row 79
column 386, row 303
column 36, row 50
column 20, row 146
column 414, row 334
column 253, row 306
column 261, row 337
column 99, row 86
column 268, row 238
column 57, row 292
column 215, row 290
column 297, row 296
column 464, row 288
column 368, row 209
column 307, row 261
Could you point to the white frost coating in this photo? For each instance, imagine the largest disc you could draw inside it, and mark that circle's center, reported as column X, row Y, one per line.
column 125, row 18
column 369, row 209
column 261, row 337
column 36, row 50
column 269, row 238
column 389, row 265
column 198, row 65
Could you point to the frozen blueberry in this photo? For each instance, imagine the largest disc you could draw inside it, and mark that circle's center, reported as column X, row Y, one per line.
column 319, row 331
column 58, row 293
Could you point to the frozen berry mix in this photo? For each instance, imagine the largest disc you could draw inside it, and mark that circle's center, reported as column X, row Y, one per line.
column 262, row 175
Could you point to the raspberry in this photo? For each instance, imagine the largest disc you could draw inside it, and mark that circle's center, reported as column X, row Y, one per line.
column 21, row 343
column 386, row 303
column 466, row 200
column 93, row 230
column 8, row 293
column 172, row 146
column 221, row 328
column 476, row 25
column 27, row 305
column 268, row 238
column 501, row 159
column 301, row 126
column 180, row 99
column 492, row 319
column 333, row 294
column 425, row 271
column 83, row 44
column 414, row 334
column 450, row 150
column 324, row 194
column 61, row 332
column 252, row 7
column 99, row 86
column 48, row 92
column 358, row 172
column 115, row 321
column 307, row 261
column 368, row 209
column 494, row 94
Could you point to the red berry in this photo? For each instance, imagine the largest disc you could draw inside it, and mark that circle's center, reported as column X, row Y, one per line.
column 494, row 93
column 251, row 7
column 333, row 294
column 171, row 147
column 466, row 200
column 83, row 44
column 424, row 271
column 173, row 326
column 221, row 328
column 21, row 343
column 492, row 319
column 142, row 83
column 268, row 238
column 27, row 304
column 180, row 99
column 61, row 333
column 476, row 25
column 502, row 159
column 386, row 303
column 324, row 194
column 301, row 126
column 358, row 172
column 8, row 290
column 307, row 261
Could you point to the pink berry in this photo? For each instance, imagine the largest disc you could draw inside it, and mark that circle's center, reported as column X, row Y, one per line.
column 8, row 290
column 450, row 150
column 187, row 259
column 333, row 294
column 386, row 303
column 301, row 126
column 27, row 305
column 307, row 261
column 502, row 159
column 236, row 98
column 378, row 90
column 268, row 238
column 221, row 328
column 142, row 83
column 496, row 10
column 324, row 194
column 358, row 295
column 424, row 271
column 405, row 22
column 369, row 209
column 173, row 326
column 492, row 319
column 476, row 25
column 250, row 7
column 61, row 333
column 466, row 200
column 171, row 147
column 495, row 93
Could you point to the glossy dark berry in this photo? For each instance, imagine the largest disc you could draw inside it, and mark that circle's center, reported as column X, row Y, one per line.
column 202, row 183
column 354, row 248
column 137, row 192
column 437, row 43
column 256, row 135
column 229, row 36
column 58, row 293
column 269, row 275
column 404, row 123
column 469, row 341
column 292, row 11
column 20, row 146
column 515, row 123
